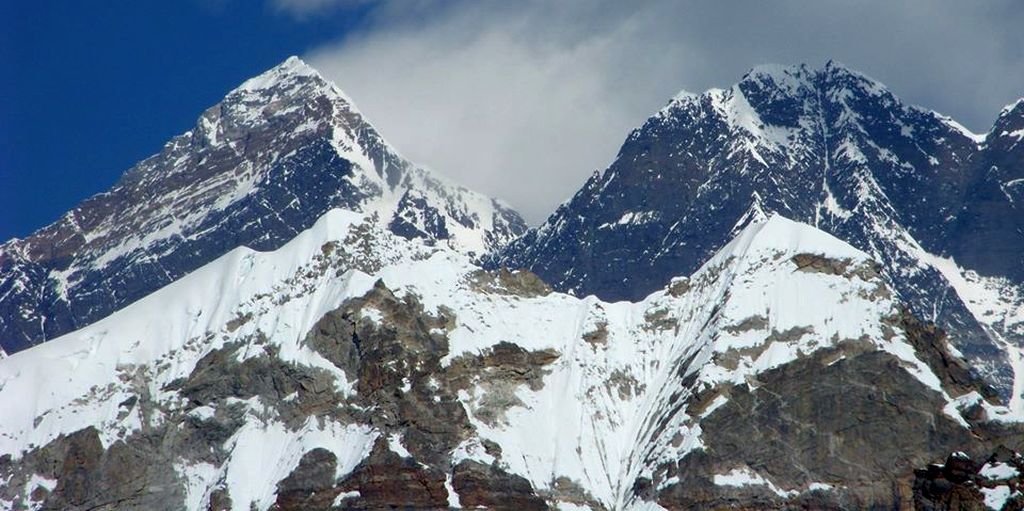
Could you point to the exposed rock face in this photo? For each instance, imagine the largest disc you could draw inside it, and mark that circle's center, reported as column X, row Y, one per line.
column 490, row 487
column 386, row 480
column 829, row 147
column 505, row 282
column 932, row 346
column 986, row 235
column 309, row 486
column 142, row 470
column 258, row 168
column 814, row 422
column 392, row 362
column 843, row 429
column 395, row 360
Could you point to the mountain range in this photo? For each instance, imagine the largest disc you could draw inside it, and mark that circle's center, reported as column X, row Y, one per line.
column 795, row 293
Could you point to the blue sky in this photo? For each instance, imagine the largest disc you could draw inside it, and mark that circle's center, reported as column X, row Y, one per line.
column 520, row 100
column 90, row 88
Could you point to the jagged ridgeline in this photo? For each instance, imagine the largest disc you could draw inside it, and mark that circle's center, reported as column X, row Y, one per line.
column 355, row 369
column 347, row 349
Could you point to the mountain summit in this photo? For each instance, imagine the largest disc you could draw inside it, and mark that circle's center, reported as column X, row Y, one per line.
column 257, row 168
column 938, row 206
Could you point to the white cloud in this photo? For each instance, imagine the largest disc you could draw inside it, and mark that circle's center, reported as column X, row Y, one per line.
column 523, row 100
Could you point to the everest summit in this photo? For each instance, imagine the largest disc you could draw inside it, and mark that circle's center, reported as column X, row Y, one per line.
column 259, row 167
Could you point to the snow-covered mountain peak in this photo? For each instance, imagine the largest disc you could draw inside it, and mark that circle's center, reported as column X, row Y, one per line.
column 788, row 79
column 797, row 80
column 775, row 233
column 257, row 168
column 1008, row 131
column 836, row 69
column 1011, row 107
column 291, row 69
column 778, row 71
column 827, row 146
column 292, row 97
column 283, row 88
column 680, row 99
column 779, row 116
column 799, row 87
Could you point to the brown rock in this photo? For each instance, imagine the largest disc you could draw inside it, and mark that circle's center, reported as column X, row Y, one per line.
column 492, row 488
column 386, row 480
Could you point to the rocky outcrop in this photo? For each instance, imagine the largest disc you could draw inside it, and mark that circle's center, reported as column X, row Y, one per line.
column 932, row 346
column 490, row 487
column 962, row 484
column 310, row 485
column 502, row 281
column 76, row 472
column 858, row 423
column 842, row 429
column 387, row 480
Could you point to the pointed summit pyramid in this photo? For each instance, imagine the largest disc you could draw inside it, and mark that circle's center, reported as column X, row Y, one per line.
column 292, row 67
column 257, row 168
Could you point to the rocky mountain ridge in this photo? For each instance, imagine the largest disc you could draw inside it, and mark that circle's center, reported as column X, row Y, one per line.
column 355, row 369
column 937, row 206
column 258, row 168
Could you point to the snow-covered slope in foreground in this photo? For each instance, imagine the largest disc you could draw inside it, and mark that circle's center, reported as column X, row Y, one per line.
column 352, row 368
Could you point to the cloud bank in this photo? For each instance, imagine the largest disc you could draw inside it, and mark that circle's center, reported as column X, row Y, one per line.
column 523, row 100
